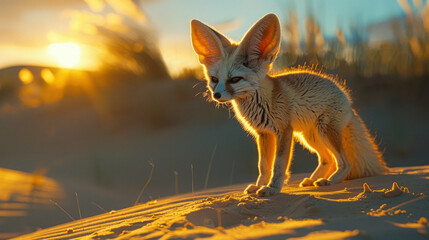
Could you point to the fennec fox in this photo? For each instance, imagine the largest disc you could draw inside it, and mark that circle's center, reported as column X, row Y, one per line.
column 275, row 108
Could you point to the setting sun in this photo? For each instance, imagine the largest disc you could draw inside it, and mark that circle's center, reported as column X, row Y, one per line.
column 66, row 54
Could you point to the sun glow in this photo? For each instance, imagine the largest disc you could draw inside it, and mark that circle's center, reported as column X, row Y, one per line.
column 66, row 54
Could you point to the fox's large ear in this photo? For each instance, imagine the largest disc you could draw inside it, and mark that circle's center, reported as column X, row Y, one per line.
column 209, row 44
column 262, row 42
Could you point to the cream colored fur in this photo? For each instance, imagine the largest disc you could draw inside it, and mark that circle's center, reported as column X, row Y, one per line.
column 276, row 108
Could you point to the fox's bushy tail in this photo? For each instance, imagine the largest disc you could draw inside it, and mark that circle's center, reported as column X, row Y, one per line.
column 361, row 151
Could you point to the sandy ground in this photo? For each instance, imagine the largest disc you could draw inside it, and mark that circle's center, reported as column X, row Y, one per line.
column 99, row 148
column 98, row 145
column 393, row 206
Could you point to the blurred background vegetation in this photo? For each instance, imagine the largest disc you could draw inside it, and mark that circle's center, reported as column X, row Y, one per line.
column 398, row 65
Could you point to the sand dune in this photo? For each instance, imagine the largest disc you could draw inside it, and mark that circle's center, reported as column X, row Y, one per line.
column 393, row 206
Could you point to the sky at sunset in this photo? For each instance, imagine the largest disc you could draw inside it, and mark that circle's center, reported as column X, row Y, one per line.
column 27, row 27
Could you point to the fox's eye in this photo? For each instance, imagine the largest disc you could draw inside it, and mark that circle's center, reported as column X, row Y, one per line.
column 235, row 79
column 214, row 79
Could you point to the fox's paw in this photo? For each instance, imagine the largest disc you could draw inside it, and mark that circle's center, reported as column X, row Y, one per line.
column 322, row 182
column 266, row 191
column 306, row 182
column 252, row 188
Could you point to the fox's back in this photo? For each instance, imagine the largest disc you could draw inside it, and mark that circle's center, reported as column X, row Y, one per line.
column 313, row 97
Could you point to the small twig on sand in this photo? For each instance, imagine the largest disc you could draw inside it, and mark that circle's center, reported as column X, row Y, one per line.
column 100, row 207
column 62, row 209
column 147, row 182
column 210, row 166
column 176, row 181
column 192, row 177
column 78, row 205
column 404, row 203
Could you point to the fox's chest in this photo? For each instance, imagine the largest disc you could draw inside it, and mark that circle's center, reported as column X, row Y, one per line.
column 255, row 113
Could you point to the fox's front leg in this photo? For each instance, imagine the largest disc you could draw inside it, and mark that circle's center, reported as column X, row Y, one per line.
column 281, row 164
column 266, row 147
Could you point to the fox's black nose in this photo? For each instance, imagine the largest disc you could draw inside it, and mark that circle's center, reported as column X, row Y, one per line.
column 216, row 95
